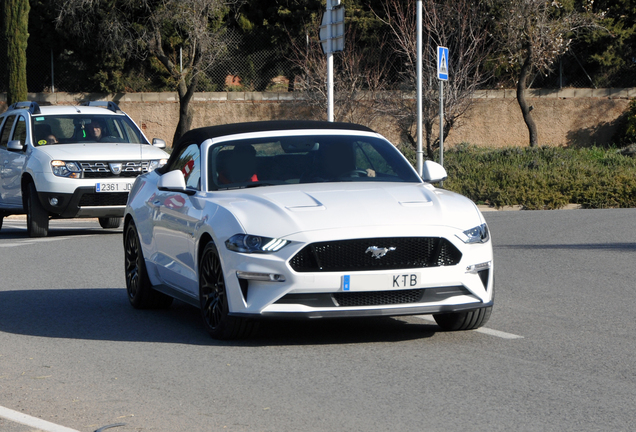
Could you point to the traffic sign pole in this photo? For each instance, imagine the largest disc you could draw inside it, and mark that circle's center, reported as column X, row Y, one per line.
column 442, row 75
column 441, row 122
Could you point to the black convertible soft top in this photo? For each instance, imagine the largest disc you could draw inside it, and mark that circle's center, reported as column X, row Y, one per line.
column 197, row 136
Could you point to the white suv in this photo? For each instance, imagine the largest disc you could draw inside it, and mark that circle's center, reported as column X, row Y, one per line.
column 71, row 161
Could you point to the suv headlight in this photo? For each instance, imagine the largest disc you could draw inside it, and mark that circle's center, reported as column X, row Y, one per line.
column 66, row 169
column 255, row 244
column 154, row 164
column 478, row 234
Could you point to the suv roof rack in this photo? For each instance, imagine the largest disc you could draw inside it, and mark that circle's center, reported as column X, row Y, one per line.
column 33, row 107
column 110, row 105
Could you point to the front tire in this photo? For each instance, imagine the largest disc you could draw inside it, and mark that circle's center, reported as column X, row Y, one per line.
column 213, row 299
column 37, row 216
column 141, row 294
column 109, row 222
column 470, row 320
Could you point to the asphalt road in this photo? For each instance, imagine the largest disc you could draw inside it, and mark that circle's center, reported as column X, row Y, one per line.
column 557, row 354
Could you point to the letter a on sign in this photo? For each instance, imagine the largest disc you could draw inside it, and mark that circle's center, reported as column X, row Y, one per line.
column 442, row 63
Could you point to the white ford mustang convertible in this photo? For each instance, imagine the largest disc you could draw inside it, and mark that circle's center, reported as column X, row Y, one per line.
column 292, row 219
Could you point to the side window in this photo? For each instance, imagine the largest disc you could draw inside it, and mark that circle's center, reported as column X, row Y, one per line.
column 20, row 132
column 189, row 162
column 133, row 135
column 6, row 131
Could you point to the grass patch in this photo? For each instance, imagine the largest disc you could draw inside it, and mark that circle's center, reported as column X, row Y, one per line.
column 543, row 177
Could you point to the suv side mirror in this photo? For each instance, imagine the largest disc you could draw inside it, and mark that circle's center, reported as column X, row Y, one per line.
column 433, row 172
column 159, row 143
column 15, row 145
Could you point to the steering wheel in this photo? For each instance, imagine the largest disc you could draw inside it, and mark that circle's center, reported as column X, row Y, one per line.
column 356, row 173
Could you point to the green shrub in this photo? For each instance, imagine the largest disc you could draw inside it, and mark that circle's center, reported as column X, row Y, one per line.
column 542, row 177
column 626, row 129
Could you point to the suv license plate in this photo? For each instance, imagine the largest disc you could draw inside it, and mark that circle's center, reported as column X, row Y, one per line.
column 113, row 187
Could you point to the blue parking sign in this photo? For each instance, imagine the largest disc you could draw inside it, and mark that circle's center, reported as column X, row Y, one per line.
column 442, row 63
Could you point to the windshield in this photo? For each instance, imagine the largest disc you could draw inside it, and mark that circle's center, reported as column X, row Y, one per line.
column 307, row 159
column 67, row 129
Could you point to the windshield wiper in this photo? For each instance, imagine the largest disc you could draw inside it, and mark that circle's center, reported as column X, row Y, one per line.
column 259, row 183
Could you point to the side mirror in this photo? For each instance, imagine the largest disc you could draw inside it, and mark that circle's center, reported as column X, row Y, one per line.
column 432, row 172
column 173, row 181
column 159, row 143
column 15, row 145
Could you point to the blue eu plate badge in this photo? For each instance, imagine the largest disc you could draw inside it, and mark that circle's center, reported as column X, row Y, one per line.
column 346, row 283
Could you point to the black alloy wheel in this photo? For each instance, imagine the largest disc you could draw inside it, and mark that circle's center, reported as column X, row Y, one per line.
column 141, row 294
column 214, row 302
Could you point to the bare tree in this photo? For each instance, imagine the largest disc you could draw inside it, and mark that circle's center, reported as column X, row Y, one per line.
column 459, row 25
column 157, row 28
column 531, row 35
column 359, row 75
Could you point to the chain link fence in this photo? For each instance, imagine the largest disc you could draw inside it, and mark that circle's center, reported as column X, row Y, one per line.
column 252, row 64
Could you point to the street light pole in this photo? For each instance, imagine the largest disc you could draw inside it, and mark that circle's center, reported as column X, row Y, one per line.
column 329, row 64
column 420, row 158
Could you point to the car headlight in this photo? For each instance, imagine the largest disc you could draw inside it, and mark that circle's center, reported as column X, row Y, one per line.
column 66, row 169
column 255, row 244
column 154, row 164
column 478, row 234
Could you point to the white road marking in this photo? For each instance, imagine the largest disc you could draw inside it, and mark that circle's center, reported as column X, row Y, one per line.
column 27, row 242
column 483, row 330
column 37, row 423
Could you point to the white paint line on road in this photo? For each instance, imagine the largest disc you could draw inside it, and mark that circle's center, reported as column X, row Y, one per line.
column 483, row 330
column 29, row 241
column 37, row 423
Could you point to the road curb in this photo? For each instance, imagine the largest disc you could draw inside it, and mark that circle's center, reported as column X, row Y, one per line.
column 485, row 208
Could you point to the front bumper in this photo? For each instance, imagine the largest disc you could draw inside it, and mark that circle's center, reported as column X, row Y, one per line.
column 465, row 286
column 84, row 202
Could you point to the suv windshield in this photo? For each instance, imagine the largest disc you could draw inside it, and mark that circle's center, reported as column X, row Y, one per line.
column 66, row 129
column 307, row 159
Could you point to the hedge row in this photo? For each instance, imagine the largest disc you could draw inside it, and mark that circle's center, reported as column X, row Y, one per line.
column 543, row 177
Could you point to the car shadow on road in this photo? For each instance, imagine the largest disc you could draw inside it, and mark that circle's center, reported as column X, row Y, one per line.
column 105, row 314
column 9, row 233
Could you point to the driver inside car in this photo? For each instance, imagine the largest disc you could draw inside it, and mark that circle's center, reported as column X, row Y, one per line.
column 335, row 162
column 95, row 130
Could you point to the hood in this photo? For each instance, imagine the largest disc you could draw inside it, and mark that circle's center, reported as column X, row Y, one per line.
column 286, row 210
column 102, row 151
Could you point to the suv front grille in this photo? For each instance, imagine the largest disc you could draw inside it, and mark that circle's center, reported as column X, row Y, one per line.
column 354, row 255
column 102, row 169
column 103, row 199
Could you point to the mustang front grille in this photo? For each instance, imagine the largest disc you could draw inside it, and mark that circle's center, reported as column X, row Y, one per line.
column 376, row 254
column 102, row 169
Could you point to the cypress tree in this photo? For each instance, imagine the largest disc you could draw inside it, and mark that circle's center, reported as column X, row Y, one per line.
column 16, row 34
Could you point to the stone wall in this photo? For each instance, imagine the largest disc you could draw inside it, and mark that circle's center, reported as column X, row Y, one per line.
column 579, row 117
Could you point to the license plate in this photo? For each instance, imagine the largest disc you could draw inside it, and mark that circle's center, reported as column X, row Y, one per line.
column 383, row 282
column 113, row 187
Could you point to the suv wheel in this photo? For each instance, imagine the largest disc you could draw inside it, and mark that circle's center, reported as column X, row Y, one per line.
column 37, row 216
column 109, row 222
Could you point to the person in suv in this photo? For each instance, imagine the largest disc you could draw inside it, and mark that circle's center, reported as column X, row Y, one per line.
column 71, row 161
